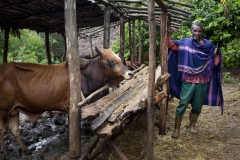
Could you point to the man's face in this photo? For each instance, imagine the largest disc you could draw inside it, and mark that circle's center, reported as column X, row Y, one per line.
column 196, row 32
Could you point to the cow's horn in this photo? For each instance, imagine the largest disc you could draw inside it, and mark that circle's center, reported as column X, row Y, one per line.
column 99, row 51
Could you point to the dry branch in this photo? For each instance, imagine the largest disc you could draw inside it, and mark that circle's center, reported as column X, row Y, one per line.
column 92, row 95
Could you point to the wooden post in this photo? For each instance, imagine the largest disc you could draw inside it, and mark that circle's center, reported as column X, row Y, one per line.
column 134, row 43
column 75, row 79
column 164, row 53
column 106, row 36
column 65, row 48
column 130, row 40
column 139, row 43
column 6, row 39
column 151, row 79
column 47, row 47
column 122, row 38
column 90, row 41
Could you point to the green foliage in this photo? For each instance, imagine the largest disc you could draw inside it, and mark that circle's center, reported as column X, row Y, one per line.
column 221, row 26
column 221, row 20
column 30, row 47
column 227, row 78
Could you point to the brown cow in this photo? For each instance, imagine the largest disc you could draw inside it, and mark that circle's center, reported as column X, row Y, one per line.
column 33, row 88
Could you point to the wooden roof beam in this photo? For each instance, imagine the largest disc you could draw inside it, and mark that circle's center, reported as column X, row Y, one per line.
column 178, row 9
column 143, row 12
column 127, row 1
column 105, row 2
column 181, row 3
column 137, row 8
column 178, row 17
column 161, row 5
column 179, row 13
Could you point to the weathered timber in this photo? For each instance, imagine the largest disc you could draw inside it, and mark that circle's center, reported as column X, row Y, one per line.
column 108, row 130
column 136, row 104
column 117, row 112
column 114, row 130
column 94, row 109
column 110, row 108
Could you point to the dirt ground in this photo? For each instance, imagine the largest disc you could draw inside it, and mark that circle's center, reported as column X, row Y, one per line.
column 218, row 135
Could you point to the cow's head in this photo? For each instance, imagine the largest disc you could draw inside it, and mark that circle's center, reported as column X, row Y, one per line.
column 114, row 68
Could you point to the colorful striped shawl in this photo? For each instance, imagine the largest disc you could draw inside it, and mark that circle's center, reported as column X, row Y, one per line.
column 193, row 60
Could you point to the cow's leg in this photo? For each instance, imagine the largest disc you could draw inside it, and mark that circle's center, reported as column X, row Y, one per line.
column 13, row 125
column 2, row 127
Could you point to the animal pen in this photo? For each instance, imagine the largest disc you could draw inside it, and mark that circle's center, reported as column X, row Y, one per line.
column 113, row 113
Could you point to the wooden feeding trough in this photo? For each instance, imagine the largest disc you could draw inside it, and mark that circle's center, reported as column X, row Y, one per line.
column 112, row 114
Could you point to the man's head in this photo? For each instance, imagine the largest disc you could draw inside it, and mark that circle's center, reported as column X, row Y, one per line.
column 196, row 30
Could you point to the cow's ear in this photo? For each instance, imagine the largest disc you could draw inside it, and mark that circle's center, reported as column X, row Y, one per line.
column 99, row 51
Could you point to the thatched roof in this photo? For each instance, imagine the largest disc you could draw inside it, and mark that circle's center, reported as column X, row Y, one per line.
column 48, row 15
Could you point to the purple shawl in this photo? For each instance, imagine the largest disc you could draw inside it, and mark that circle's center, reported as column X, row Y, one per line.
column 193, row 60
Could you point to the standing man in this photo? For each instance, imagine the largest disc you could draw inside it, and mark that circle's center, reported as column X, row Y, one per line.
column 195, row 68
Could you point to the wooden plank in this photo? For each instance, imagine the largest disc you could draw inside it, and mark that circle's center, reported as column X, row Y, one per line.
column 96, row 123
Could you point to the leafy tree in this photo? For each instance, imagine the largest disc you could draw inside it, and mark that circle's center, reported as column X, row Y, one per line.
column 221, row 20
column 221, row 25
column 30, row 47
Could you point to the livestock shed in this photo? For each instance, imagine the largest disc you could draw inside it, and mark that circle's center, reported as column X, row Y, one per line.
column 86, row 18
